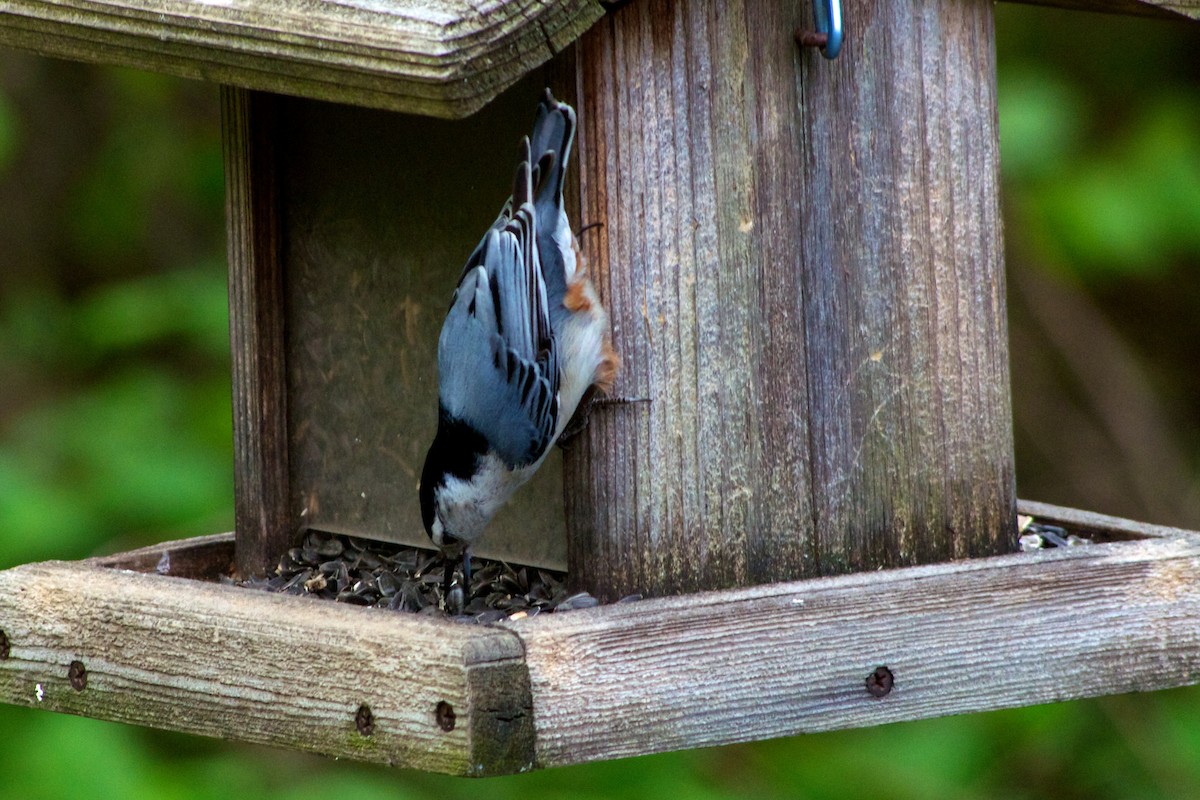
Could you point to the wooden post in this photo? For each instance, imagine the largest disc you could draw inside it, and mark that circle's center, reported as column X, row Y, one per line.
column 264, row 521
column 803, row 263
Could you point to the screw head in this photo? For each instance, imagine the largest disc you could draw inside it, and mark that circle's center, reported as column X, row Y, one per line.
column 807, row 38
column 445, row 716
column 77, row 675
column 880, row 681
column 364, row 720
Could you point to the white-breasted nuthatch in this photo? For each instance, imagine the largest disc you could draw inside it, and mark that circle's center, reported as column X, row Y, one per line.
column 524, row 340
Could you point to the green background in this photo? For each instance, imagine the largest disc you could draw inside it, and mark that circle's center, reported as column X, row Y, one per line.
column 115, row 410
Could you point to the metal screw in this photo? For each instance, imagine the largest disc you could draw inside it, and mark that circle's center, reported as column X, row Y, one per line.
column 445, row 716
column 811, row 38
column 880, row 682
column 364, row 720
column 5, row 649
column 77, row 675
column 827, row 22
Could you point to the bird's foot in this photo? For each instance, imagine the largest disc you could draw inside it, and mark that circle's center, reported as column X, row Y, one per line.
column 583, row 414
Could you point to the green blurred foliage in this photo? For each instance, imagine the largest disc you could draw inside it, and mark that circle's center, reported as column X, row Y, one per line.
column 1100, row 156
column 150, row 173
column 1100, row 145
column 115, row 419
column 115, row 424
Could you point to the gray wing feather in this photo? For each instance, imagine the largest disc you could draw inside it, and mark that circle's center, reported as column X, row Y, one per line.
column 497, row 357
column 550, row 145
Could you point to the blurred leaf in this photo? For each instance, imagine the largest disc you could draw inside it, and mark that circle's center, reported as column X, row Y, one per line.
column 33, row 329
column 155, row 169
column 1130, row 207
column 112, row 208
column 130, row 449
column 189, row 306
column 134, row 453
column 51, row 520
column 54, row 756
column 1041, row 122
column 139, row 89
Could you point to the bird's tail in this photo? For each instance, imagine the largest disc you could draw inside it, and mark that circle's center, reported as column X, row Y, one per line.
column 523, row 178
column 550, row 150
column 550, row 147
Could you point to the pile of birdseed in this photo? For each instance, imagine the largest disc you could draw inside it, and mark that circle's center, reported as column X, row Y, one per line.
column 1042, row 536
column 386, row 575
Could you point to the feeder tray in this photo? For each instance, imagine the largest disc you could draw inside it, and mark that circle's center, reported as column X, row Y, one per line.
column 113, row 638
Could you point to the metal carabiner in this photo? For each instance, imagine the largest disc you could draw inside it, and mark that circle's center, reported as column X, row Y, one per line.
column 827, row 16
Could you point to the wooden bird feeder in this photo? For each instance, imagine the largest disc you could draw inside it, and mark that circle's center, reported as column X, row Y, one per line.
column 803, row 261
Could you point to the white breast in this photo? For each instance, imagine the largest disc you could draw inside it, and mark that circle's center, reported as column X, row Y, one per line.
column 466, row 507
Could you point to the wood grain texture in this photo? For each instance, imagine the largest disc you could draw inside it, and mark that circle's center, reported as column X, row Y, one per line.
column 200, row 558
column 264, row 520
column 257, row 667
column 445, row 58
column 803, row 263
column 722, row 667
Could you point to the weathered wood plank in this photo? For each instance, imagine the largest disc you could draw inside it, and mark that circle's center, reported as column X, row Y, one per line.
column 1150, row 8
column 803, row 263
column 201, row 558
column 240, row 664
column 446, row 58
column 723, row 667
column 263, row 516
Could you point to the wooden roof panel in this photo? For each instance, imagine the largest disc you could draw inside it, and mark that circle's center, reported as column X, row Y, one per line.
column 443, row 58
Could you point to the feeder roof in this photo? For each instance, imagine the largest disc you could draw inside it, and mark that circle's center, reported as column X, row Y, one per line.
column 443, row 58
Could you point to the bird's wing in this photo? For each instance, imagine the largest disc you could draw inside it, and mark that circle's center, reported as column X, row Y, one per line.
column 497, row 357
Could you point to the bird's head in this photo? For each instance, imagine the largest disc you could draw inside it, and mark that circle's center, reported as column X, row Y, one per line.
column 449, row 492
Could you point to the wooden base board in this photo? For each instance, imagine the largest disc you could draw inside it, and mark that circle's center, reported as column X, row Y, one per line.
column 113, row 638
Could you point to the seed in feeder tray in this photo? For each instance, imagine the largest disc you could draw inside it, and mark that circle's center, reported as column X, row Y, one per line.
column 581, row 600
column 1030, row 542
column 1041, row 536
column 330, row 547
column 388, row 584
column 294, row 582
column 391, row 576
column 1053, row 534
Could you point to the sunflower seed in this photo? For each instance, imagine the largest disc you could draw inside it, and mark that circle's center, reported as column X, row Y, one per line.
column 362, row 572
